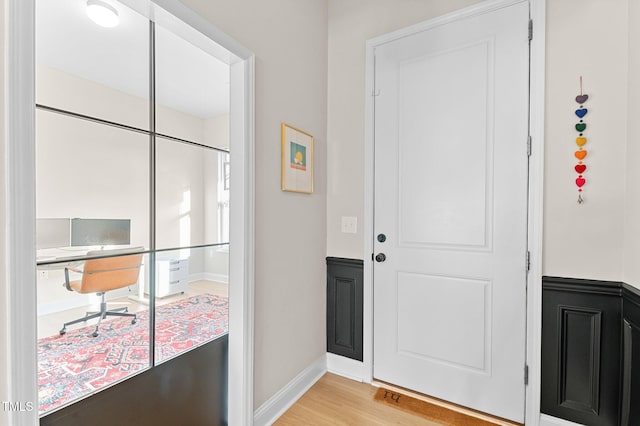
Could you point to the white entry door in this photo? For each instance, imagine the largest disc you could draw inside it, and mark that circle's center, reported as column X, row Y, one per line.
column 451, row 170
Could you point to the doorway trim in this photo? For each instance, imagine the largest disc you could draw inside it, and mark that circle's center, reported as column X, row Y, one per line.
column 536, row 184
column 19, row 210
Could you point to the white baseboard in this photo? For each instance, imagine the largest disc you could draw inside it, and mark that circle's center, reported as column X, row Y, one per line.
column 276, row 406
column 209, row 276
column 546, row 420
column 64, row 305
column 79, row 300
column 346, row 367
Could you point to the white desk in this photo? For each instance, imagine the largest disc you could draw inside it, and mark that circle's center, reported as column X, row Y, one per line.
column 65, row 256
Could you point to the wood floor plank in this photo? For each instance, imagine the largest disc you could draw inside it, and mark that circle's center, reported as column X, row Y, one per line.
column 335, row 400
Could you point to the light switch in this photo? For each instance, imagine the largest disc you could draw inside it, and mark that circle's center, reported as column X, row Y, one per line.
column 349, row 224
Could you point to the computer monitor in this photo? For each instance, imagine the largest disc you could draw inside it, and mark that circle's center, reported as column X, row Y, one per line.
column 100, row 232
column 52, row 233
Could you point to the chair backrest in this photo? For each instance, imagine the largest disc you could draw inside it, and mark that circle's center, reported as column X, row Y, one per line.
column 110, row 273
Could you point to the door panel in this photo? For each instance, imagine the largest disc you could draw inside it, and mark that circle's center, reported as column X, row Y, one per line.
column 463, row 304
column 451, row 169
column 437, row 207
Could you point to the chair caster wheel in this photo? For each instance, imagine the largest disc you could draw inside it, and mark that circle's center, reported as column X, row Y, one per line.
column 63, row 331
column 94, row 334
column 133, row 321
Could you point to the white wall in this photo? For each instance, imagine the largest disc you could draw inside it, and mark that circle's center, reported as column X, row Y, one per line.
column 351, row 24
column 586, row 241
column 289, row 39
column 632, row 196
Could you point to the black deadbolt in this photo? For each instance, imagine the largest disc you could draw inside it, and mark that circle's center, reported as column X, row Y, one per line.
column 382, row 238
column 380, row 257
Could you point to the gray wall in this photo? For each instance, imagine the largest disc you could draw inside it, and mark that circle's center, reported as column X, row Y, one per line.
column 289, row 39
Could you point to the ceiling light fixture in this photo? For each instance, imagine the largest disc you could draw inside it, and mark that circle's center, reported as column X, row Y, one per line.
column 102, row 13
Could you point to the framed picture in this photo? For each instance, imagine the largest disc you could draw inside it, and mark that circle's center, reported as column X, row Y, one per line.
column 297, row 160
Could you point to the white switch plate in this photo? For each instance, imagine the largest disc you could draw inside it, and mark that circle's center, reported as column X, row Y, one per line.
column 349, row 224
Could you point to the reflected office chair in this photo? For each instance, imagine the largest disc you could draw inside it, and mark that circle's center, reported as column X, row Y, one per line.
column 102, row 275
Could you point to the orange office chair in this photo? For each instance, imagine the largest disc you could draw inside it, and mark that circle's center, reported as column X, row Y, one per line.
column 102, row 275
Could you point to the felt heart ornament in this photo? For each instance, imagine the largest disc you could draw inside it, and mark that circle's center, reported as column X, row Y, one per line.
column 580, row 168
column 581, row 141
column 581, row 112
column 581, row 126
column 582, row 98
column 580, row 154
column 580, row 182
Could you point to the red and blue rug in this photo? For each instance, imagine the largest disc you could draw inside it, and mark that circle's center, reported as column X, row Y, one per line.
column 76, row 364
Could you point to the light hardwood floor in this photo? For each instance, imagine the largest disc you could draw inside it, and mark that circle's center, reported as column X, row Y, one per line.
column 334, row 400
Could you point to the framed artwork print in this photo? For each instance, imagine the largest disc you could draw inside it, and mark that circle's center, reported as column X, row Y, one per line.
column 297, row 160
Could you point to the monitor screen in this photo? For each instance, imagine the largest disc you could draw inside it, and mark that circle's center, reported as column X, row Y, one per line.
column 52, row 233
column 100, row 232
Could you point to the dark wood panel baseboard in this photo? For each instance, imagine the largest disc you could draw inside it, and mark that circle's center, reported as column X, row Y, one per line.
column 631, row 295
column 583, row 286
column 581, row 344
column 630, row 382
column 579, row 339
column 345, row 307
column 591, row 351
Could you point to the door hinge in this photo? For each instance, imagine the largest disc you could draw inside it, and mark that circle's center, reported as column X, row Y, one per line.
column 528, row 260
column 530, row 29
column 526, row 374
column 529, row 146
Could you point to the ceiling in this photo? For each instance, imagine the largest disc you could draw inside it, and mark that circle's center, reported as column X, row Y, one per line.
column 187, row 78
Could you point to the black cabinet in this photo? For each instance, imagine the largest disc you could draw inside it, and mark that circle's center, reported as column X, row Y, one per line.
column 344, row 307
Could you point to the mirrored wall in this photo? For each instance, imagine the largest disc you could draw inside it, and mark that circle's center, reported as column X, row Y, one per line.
column 132, row 197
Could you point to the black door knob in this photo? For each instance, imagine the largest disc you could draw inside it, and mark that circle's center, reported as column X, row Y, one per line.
column 380, row 257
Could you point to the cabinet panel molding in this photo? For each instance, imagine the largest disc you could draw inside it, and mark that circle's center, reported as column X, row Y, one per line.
column 344, row 307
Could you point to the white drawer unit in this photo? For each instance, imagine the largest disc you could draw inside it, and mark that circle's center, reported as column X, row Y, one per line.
column 172, row 277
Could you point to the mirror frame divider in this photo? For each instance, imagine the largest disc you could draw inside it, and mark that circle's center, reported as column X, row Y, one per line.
column 19, row 210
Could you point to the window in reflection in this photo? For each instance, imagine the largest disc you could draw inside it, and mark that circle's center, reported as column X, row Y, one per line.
column 190, row 195
column 223, row 197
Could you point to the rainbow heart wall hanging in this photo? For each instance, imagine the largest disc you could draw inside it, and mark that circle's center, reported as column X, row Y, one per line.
column 581, row 141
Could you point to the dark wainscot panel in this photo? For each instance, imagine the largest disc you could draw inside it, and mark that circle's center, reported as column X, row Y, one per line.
column 188, row 390
column 581, row 340
column 344, row 307
column 630, row 356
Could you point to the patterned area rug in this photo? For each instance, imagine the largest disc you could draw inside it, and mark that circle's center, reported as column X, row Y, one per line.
column 76, row 364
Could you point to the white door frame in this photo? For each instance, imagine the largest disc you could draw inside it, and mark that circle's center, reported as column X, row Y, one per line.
column 535, row 211
column 19, row 210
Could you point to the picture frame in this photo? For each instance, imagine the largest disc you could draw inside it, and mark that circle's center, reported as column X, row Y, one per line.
column 297, row 160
